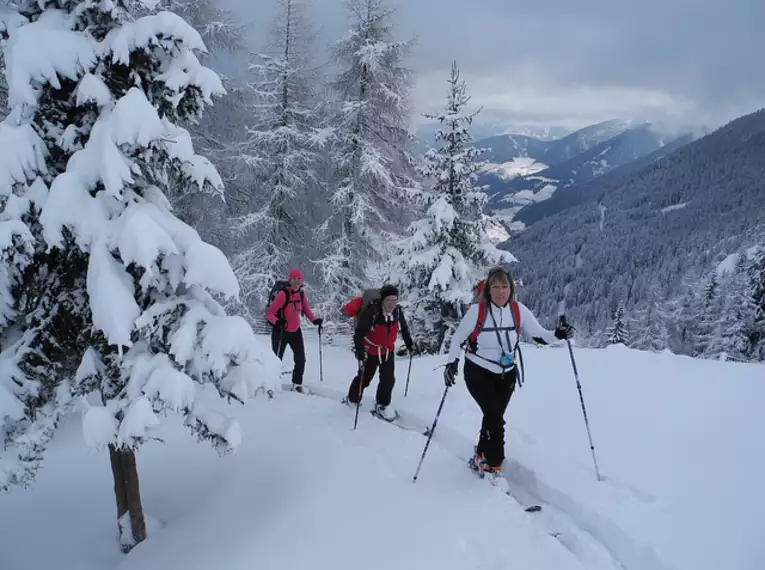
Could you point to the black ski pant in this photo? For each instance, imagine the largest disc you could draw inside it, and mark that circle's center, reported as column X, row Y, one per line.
column 387, row 366
column 492, row 393
column 280, row 339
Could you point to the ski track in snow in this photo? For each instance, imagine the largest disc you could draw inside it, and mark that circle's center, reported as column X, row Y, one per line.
column 593, row 539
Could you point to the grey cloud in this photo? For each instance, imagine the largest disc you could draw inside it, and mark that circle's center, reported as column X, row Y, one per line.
column 690, row 58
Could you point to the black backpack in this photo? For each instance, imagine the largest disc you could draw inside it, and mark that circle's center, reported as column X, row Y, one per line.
column 282, row 285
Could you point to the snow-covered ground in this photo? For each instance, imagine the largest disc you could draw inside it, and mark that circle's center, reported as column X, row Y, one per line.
column 677, row 440
column 728, row 265
column 517, row 167
column 527, row 197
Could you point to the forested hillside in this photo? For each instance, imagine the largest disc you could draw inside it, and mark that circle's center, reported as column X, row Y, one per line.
column 654, row 245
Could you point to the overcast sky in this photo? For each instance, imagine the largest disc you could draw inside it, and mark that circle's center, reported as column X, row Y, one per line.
column 575, row 62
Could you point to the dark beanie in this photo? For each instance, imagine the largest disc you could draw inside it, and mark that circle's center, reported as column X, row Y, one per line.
column 388, row 290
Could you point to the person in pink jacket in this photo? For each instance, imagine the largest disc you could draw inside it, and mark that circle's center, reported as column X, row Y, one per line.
column 284, row 315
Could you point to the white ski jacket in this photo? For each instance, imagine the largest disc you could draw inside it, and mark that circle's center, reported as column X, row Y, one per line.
column 489, row 350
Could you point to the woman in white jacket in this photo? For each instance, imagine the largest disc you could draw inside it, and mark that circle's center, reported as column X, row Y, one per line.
column 490, row 368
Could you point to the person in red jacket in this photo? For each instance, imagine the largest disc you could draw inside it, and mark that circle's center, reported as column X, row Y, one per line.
column 284, row 314
column 374, row 344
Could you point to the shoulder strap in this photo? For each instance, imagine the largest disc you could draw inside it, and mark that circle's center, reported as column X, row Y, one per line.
column 472, row 339
column 516, row 321
column 286, row 291
column 521, row 373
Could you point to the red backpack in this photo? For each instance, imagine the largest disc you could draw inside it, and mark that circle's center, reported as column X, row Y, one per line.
column 473, row 338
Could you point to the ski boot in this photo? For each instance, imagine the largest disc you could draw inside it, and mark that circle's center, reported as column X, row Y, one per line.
column 494, row 475
column 385, row 413
column 477, row 460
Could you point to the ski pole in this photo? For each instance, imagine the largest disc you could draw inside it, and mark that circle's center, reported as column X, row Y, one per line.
column 281, row 344
column 321, row 360
column 406, row 390
column 361, row 391
column 430, row 434
column 581, row 399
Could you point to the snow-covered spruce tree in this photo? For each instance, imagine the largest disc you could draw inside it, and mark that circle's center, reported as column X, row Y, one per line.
column 450, row 249
column 729, row 338
column 756, row 303
column 617, row 332
column 107, row 298
column 225, row 37
column 9, row 20
column 221, row 30
column 3, row 86
column 650, row 330
column 706, row 312
column 373, row 169
column 711, row 289
column 281, row 149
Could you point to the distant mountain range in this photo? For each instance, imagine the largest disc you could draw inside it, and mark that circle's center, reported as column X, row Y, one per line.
column 586, row 188
column 487, row 129
column 649, row 235
column 528, row 178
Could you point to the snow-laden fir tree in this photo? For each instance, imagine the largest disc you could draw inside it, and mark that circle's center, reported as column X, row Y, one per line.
column 281, row 147
column 107, row 298
column 450, row 249
column 618, row 332
column 372, row 164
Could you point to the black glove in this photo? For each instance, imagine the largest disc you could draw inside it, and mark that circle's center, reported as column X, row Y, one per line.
column 281, row 323
column 450, row 373
column 410, row 348
column 361, row 354
column 318, row 323
column 564, row 332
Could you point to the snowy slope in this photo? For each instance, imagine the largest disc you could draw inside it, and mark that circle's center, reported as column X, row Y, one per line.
column 677, row 447
column 517, row 167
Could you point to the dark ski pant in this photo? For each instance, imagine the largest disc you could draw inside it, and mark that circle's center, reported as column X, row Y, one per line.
column 280, row 339
column 387, row 368
column 492, row 393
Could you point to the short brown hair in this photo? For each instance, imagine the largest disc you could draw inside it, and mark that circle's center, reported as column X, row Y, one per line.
column 501, row 275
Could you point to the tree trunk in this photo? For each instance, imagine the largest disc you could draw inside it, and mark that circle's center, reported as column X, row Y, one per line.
column 128, row 495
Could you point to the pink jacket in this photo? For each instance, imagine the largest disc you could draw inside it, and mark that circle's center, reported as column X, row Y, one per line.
column 295, row 307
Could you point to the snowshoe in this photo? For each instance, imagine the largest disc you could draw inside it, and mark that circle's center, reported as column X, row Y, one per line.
column 300, row 389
